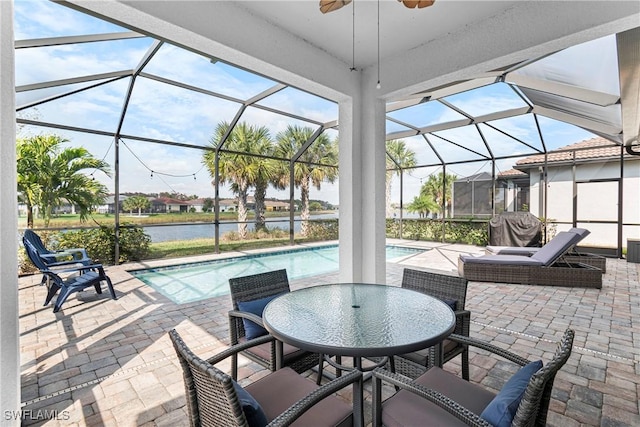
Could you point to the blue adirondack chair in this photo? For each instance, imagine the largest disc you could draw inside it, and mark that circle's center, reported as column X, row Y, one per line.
column 88, row 275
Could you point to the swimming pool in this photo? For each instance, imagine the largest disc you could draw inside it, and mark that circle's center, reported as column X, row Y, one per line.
column 196, row 281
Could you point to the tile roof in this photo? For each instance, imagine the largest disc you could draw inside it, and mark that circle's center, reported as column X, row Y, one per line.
column 512, row 173
column 594, row 148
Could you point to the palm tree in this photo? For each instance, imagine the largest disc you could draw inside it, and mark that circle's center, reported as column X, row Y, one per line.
column 136, row 202
column 240, row 170
column 405, row 158
column 267, row 171
column 49, row 175
column 312, row 165
column 423, row 205
column 434, row 188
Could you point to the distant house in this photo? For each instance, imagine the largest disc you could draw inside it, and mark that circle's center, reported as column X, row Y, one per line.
column 109, row 206
column 174, row 205
column 587, row 186
column 228, row 205
column 277, row 206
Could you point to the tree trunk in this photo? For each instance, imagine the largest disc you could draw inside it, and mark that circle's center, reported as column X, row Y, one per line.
column 242, row 212
column 304, row 211
column 29, row 216
column 258, row 195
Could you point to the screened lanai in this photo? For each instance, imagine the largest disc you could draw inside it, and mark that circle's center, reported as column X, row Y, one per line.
column 137, row 100
column 420, row 58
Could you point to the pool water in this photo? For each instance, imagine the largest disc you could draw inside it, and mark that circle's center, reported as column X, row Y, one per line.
column 196, row 281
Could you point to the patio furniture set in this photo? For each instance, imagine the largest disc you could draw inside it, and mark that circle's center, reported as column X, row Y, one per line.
column 325, row 323
column 405, row 334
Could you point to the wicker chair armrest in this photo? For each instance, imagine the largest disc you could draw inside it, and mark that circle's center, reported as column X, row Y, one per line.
column 246, row 315
column 463, row 322
column 442, row 401
column 235, row 349
column 473, row 342
column 301, row 406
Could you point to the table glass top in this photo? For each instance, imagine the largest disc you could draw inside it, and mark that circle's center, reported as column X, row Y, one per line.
column 358, row 319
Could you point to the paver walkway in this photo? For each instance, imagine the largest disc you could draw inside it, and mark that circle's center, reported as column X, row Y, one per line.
column 104, row 362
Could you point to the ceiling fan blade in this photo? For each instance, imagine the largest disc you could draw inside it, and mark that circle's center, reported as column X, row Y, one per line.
column 417, row 3
column 331, row 5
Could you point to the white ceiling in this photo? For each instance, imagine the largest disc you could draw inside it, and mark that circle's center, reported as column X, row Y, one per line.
column 401, row 29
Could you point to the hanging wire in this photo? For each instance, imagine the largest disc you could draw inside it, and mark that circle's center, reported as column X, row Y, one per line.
column 102, row 160
column 160, row 173
column 353, row 37
column 378, row 84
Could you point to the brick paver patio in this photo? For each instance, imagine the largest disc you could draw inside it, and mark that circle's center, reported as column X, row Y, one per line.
column 104, row 362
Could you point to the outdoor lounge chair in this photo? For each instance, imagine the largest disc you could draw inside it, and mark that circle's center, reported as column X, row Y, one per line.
column 572, row 256
column 79, row 278
column 441, row 398
column 541, row 268
column 452, row 290
column 249, row 296
column 280, row 398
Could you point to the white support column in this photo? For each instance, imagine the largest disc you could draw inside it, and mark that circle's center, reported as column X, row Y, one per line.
column 9, row 338
column 362, row 196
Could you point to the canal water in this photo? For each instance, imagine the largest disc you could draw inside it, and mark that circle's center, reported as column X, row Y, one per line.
column 166, row 233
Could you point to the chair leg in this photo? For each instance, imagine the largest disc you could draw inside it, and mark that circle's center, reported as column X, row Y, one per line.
column 52, row 289
column 110, row 287
column 64, row 294
column 465, row 364
column 320, row 368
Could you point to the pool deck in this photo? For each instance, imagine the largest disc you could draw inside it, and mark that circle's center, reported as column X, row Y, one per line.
column 103, row 362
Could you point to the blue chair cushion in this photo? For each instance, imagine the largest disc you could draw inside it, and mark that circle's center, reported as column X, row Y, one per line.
column 256, row 306
column 503, row 407
column 452, row 303
column 252, row 410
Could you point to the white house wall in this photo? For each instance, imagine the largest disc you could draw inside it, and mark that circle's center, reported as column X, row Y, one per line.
column 596, row 201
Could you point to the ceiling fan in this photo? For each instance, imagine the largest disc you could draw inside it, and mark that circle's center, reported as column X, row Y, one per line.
column 331, row 5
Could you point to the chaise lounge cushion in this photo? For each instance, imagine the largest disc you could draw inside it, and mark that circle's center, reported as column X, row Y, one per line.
column 556, row 247
column 500, row 259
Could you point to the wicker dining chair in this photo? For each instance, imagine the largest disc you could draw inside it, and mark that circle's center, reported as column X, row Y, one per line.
column 280, row 398
column 453, row 291
column 252, row 293
column 439, row 397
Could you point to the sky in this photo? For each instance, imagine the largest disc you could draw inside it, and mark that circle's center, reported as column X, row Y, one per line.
column 165, row 112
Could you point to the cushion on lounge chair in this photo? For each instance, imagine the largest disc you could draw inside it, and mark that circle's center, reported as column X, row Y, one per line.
column 511, row 250
column 556, row 247
column 500, row 259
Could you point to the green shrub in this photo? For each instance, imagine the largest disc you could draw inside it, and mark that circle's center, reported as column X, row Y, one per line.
column 322, row 230
column 455, row 231
column 100, row 243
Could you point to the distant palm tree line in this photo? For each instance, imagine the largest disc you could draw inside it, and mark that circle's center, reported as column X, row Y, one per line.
column 250, row 159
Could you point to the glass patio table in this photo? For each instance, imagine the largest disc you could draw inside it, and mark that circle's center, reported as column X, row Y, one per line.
column 358, row 320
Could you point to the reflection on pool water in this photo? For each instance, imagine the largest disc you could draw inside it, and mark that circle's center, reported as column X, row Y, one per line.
column 196, row 281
